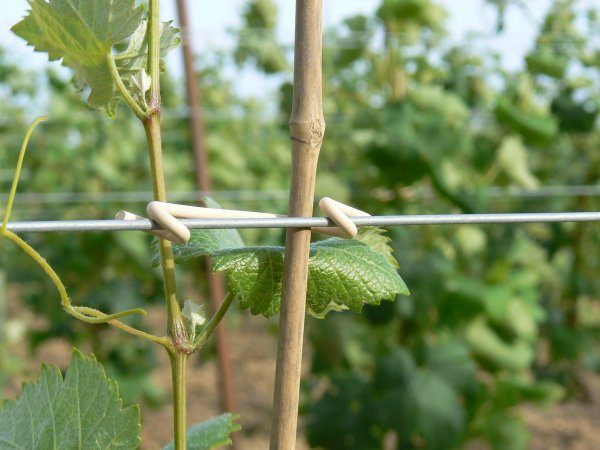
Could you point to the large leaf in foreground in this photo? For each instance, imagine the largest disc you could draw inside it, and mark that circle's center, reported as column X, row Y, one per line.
column 210, row 434
column 82, row 34
column 83, row 411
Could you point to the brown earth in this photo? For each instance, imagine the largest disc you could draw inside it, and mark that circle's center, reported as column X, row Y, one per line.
column 567, row 426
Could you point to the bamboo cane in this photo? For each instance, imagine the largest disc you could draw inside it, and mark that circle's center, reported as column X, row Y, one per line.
column 307, row 127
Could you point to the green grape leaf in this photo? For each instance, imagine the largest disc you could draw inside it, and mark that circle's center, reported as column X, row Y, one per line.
column 546, row 61
column 514, row 162
column 342, row 418
column 81, row 411
column 255, row 274
column 349, row 273
column 135, row 57
column 421, row 404
column 538, row 129
column 342, row 274
column 376, row 239
column 205, row 243
column 452, row 361
column 82, row 34
column 210, row 434
column 257, row 39
column 506, row 430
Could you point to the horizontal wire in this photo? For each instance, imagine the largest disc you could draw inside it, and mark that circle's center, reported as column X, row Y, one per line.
column 145, row 196
column 303, row 222
column 238, row 195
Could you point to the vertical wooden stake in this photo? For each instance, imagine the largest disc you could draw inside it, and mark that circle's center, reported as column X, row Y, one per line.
column 203, row 182
column 194, row 98
column 307, row 127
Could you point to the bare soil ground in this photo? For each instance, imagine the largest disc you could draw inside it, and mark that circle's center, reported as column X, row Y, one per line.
column 252, row 353
column 567, row 426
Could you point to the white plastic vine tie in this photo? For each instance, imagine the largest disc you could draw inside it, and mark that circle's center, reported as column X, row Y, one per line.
column 166, row 215
column 125, row 215
column 340, row 214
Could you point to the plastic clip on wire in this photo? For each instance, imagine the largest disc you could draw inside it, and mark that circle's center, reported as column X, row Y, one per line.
column 166, row 215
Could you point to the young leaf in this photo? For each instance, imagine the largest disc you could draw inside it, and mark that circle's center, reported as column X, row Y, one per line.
column 210, row 434
column 142, row 82
column 82, row 34
column 203, row 243
column 194, row 316
column 135, row 57
column 83, row 411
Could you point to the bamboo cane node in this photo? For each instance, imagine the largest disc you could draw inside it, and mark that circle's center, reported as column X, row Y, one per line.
column 309, row 132
column 294, row 138
column 317, row 131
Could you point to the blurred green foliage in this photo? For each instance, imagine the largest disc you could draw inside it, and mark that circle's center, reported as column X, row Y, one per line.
column 496, row 317
column 499, row 315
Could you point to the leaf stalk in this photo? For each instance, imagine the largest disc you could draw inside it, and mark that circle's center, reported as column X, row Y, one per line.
column 213, row 323
column 88, row 315
column 114, row 72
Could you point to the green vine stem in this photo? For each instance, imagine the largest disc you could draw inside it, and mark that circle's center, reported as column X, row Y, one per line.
column 85, row 314
column 15, row 182
column 175, row 327
column 88, row 315
column 178, row 371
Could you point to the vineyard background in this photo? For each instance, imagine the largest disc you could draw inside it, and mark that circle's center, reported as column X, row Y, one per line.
column 502, row 320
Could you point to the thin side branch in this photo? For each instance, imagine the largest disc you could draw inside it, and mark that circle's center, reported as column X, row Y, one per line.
column 213, row 323
column 15, row 182
column 87, row 315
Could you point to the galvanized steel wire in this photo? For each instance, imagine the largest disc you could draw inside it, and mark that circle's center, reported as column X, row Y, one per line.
column 304, row 222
